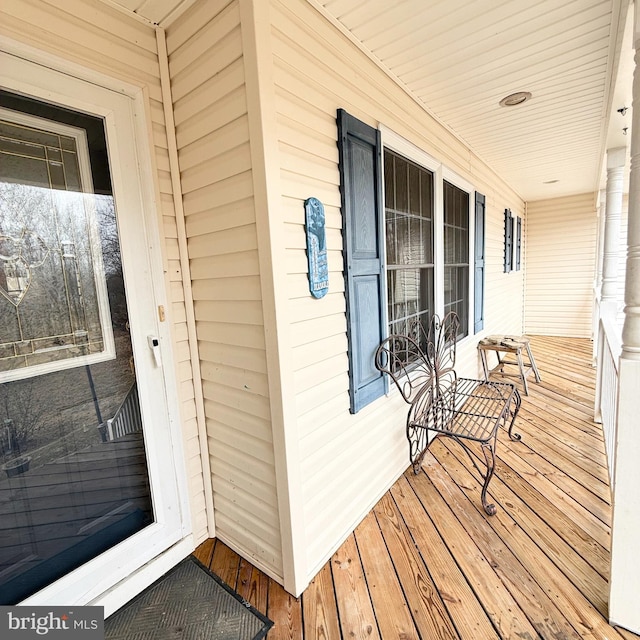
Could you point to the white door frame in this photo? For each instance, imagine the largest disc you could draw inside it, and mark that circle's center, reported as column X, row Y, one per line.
column 114, row 577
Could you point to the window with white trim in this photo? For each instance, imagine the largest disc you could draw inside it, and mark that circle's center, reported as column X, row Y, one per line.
column 428, row 231
column 409, row 225
column 456, row 254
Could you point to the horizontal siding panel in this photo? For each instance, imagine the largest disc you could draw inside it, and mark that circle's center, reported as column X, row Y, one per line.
column 243, row 380
column 234, row 476
column 322, row 327
column 219, row 56
column 221, row 193
column 212, row 117
column 264, row 512
column 111, row 20
column 331, row 366
column 162, row 161
column 298, row 284
column 244, row 518
column 174, row 272
column 300, row 161
column 238, row 400
column 164, row 182
column 260, row 471
column 252, row 447
column 336, row 455
column 243, row 312
column 388, row 458
column 169, row 227
column 225, row 165
column 297, row 134
column 215, row 143
column 306, row 113
column 184, row 372
column 53, row 20
column 235, row 214
column 230, row 265
column 190, row 22
column 199, row 44
column 328, row 396
column 261, row 554
column 239, row 288
column 301, row 309
column 239, row 357
column 241, row 335
column 177, row 297
column 235, row 240
column 299, row 187
column 314, row 352
column 245, row 423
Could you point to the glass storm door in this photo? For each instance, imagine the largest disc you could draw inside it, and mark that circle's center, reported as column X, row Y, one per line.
column 76, row 487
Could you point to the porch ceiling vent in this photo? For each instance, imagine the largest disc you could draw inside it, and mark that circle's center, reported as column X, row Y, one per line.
column 514, row 99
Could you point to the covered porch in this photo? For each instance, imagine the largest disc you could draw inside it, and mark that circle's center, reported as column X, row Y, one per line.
column 427, row 562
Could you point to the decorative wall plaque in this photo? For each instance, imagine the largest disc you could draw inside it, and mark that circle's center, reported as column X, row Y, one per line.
column 316, row 247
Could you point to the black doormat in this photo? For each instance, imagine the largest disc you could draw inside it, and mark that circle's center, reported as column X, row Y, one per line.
column 187, row 603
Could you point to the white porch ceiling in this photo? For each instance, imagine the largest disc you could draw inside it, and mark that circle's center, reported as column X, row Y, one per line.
column 460, row 58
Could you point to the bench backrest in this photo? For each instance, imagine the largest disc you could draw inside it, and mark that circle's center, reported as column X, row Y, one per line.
column 424, row 359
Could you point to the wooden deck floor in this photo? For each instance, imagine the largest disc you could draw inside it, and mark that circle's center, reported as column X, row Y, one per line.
column 427, row 563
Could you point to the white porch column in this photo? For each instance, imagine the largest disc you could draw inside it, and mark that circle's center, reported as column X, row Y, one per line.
column 613, row 215
column 624, row 594
column 602, row 204
column 597, row 281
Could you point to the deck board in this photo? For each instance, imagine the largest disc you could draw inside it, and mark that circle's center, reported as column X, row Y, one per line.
column 427, row 563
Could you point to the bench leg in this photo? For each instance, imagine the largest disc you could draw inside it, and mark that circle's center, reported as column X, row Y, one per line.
column 418, row 438
column 517, row 401
column 488, row 449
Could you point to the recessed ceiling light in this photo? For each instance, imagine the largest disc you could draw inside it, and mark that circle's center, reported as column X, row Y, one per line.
column 514, row 99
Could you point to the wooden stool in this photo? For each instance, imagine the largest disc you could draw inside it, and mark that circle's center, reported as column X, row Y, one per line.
column 509, row 344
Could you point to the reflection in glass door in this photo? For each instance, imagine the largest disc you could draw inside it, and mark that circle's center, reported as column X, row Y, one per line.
column 74, row 480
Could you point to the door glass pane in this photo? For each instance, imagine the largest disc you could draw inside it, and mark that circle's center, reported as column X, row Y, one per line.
column 74, row 479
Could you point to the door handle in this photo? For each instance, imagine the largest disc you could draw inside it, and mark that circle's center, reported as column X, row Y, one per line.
column 154, row 345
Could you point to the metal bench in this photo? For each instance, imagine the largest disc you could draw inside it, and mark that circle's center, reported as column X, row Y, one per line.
column 422, row 367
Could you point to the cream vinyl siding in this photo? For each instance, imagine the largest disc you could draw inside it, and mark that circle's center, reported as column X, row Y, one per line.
column 212, row 129
column 560, row 254
column 96, row 36
column 348, row 461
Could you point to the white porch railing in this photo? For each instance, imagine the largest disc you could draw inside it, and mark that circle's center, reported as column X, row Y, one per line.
column 127, row 418
column 609, row 348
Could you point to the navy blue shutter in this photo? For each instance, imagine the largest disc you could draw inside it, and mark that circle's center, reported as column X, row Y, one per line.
column 508, row 240
column 478, row 296
column 518, row 242
column 360, row 153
